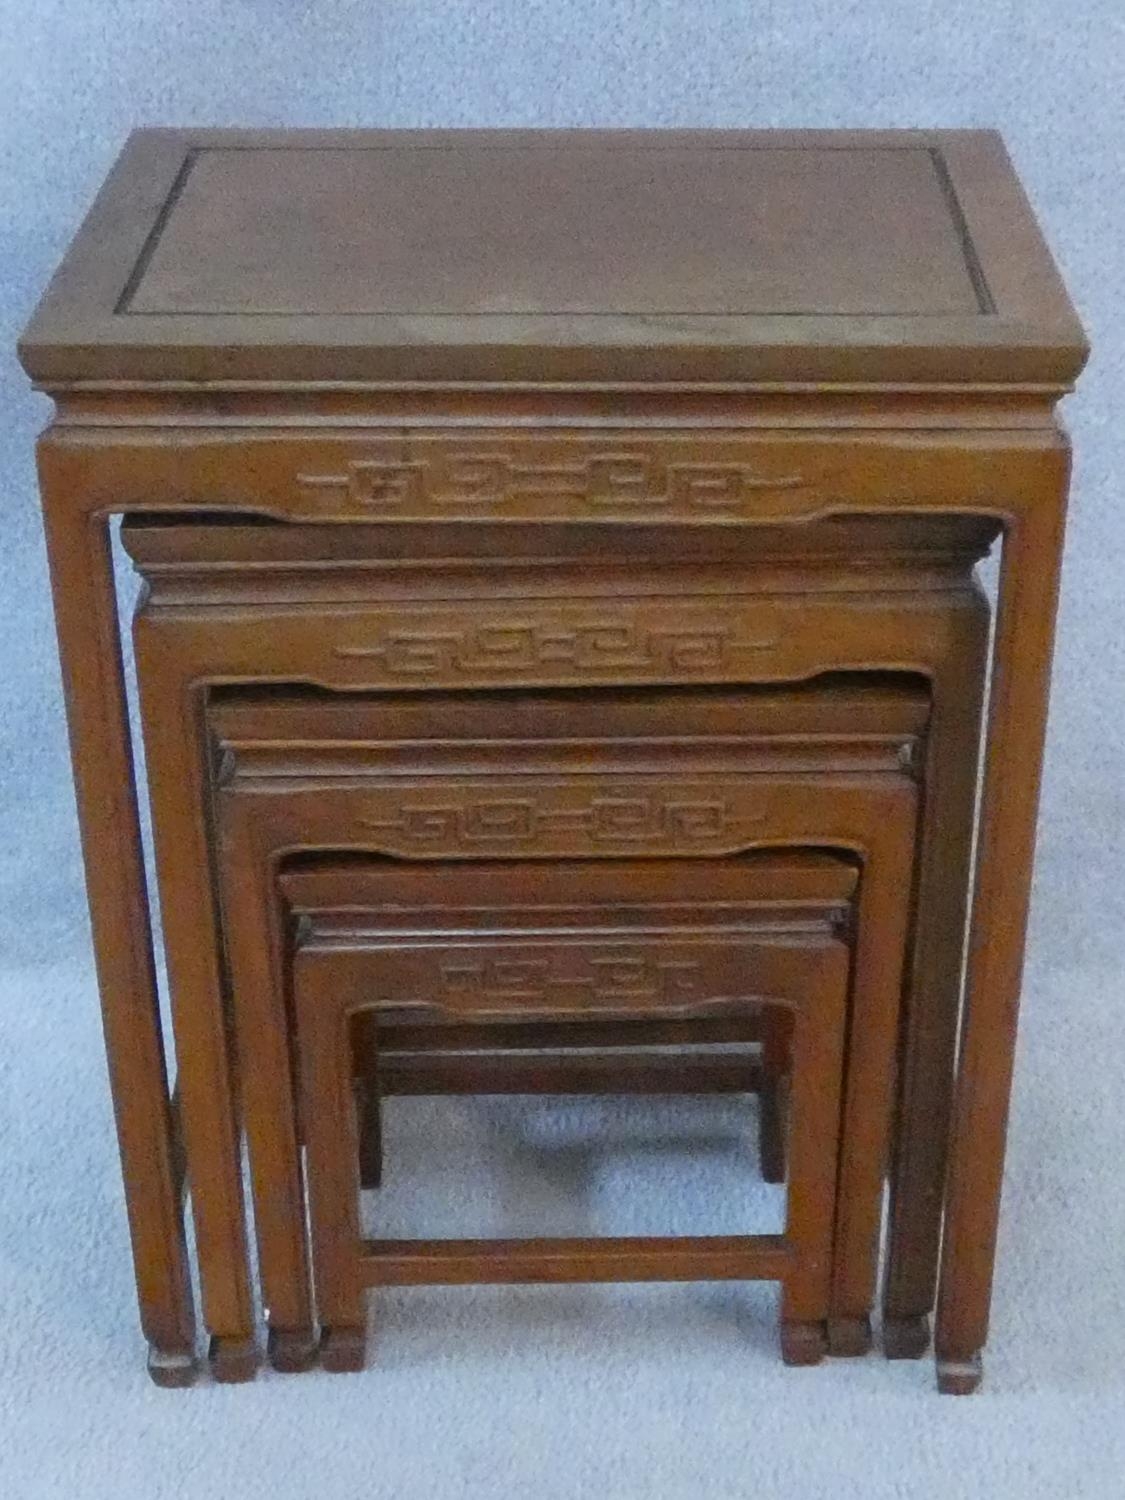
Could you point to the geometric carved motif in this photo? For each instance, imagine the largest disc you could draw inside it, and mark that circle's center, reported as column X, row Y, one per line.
column 582, row 976
column 512, row 822
column 518, row 646
column 454, row 479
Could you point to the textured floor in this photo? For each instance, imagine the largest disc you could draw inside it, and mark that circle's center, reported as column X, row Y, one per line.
column 618, row 1392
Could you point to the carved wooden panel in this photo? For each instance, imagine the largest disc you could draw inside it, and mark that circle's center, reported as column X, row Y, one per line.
column 546, row 641
column 560, row 976
column 528, row 817
column 588, row 973
column 442, row 476
column 553, row 816
column 528, row 645
column 725, row 637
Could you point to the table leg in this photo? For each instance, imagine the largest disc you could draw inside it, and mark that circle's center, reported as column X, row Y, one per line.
column 776, row 1067
column 175, row 745
column 255, row 955
column 932, row 1002
column 332, row 1143
column 881, row 930
column 81, row 568
column 1016, row 725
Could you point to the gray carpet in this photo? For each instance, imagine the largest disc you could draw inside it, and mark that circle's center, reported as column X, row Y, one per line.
column 568, row 1392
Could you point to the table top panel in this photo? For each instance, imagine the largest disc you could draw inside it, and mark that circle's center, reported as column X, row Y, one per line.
column 491, row 229
column 619, row 256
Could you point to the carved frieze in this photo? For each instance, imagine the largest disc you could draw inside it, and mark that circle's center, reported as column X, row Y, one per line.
column 452, row 477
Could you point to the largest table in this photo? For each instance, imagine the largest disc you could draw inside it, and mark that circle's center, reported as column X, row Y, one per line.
column 709, row 329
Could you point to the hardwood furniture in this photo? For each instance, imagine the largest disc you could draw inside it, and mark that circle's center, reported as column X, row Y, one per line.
column 416, row 1052
column 620, row 957
column 682, row 775
column 237, row 603
column 752, row 328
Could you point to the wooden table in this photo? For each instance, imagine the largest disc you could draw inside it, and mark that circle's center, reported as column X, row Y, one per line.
column 718, row 329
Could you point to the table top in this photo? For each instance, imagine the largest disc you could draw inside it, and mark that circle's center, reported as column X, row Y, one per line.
column 759, row 257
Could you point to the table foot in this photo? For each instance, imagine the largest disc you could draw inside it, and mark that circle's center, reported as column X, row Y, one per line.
column 343, row 1350
column 803, row 1343
column 172, row 1369
column 849, row 1338
column 959, row 1377
column 291, row 1350
column 906, row 1338
column 233, row 1361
